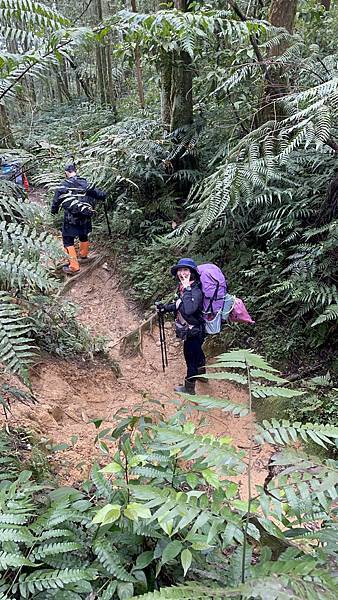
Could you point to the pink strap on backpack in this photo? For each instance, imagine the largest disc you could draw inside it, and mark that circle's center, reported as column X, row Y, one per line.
column 239, row 313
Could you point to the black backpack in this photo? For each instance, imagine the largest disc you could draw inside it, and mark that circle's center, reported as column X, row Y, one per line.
column 75, row 200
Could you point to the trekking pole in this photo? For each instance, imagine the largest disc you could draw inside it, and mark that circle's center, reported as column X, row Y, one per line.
column 107, row 219
column 164, row 342
column 160, row 321
column 162, row 338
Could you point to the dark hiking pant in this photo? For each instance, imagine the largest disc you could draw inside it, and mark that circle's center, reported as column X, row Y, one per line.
column 194, row 355
column 68, row 240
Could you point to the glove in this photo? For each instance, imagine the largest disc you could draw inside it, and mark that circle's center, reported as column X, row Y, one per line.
column 160, row 308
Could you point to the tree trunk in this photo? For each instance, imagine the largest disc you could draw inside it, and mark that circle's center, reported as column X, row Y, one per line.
column 181, row 91
column 104, row 73
column 282, row 14
column 31, row 89
column 62, row 87
column 165, row 69
column 138, row 66
column 110, row 84
column 79, row 79
column 6, row 136
column 99, row 76
column 181, row 87
column 58, row 88
column 101, row 62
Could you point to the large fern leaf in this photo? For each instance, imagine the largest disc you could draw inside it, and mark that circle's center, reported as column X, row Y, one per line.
column 17, row 272
column 49, row 579
column 16, row 348
column 284, row 432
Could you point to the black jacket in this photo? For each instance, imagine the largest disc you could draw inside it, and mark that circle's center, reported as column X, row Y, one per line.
column 190, row 307
column 76, row 222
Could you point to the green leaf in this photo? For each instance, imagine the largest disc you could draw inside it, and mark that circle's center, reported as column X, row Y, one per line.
column 171, row 551
column 108, row 514
column 97, row 422
column 192, row 480
column 113, row 467
column 186, row 558
column 135, row 511
column 125, row 590
column 144, row 559
column 211, row 478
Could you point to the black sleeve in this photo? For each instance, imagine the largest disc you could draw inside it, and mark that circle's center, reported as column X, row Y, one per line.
column 56, row 201
column 171, row 307
column 96, row 193
column 192, row 301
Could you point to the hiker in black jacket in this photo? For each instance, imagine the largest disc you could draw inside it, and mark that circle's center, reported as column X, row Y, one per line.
column 78, row 200
column 189, row 323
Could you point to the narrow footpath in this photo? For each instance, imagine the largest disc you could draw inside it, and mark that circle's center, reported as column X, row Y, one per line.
column 72, row 393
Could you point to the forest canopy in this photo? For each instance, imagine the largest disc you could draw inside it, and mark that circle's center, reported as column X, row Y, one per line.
column 212, row 128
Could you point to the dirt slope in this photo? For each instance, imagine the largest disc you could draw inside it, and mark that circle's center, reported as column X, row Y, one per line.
column 71, row 393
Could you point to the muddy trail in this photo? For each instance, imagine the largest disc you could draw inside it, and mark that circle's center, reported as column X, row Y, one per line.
column 71, row 393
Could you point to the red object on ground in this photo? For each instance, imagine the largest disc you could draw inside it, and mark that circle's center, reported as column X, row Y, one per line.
column 25, row 182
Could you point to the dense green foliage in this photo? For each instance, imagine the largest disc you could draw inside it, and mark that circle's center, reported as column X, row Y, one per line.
column 247, row 191
column 30, row 315
column 165, row 509
column 213, row 129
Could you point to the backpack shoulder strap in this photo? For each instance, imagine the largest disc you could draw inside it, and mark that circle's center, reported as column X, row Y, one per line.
column 214, row 296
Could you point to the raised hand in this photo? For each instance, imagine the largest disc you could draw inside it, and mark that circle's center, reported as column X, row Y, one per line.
column 185, row 279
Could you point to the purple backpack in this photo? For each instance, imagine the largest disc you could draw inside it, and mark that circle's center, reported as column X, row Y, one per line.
column 214, row 287
column 218, row 305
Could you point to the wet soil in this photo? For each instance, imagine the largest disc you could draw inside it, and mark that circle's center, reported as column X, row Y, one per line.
column 71, row 393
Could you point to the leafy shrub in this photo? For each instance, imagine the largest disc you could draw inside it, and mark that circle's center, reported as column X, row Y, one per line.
column 58, row 332
column 29, row 312
column 164, row 510
column 148, row 267
column 321, row 400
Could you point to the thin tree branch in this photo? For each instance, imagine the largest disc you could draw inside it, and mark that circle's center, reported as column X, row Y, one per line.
column 253, row 41
column 30, row 66
column 83, row 12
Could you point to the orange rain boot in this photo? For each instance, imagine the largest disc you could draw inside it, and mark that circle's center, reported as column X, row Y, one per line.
column 73, row 266
column 84, row 249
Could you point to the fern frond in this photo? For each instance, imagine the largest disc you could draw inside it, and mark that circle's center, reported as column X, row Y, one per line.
column 284, row 432
column 16, row 349
column 209, row 450
column 17, row 272
column 111, row 561
column 29, row 243
column 330, row 314
column 46, row 579
column 9, row 559
column 31, row 15
column 54, row 549
column 208, row 403
column 103, row 486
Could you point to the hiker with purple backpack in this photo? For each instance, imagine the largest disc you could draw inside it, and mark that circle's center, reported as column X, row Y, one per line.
column 189, row 322
column 203, row 304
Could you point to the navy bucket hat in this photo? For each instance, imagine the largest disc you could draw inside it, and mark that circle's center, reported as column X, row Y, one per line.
column 69, row 168
column 185, row 262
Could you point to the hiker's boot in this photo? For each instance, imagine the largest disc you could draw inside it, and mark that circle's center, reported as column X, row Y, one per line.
column 84, row 250
column 201, row 371
column 73, row 266
column 187, row 388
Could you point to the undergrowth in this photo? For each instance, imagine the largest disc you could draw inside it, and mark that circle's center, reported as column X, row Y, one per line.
column 161, row 517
